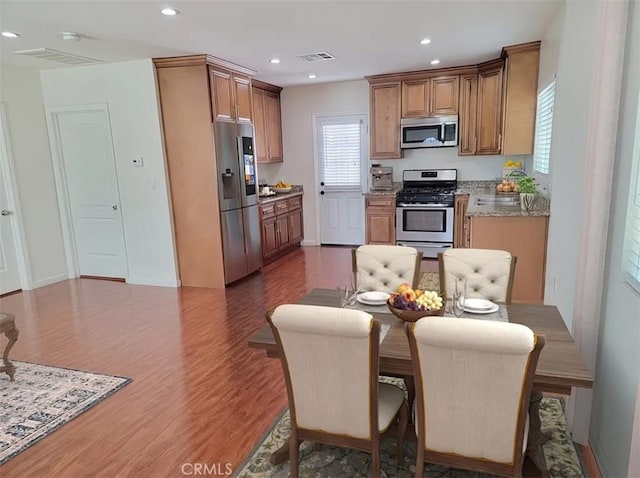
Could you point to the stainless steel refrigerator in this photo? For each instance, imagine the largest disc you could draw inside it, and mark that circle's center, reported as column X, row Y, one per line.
column 238, row 197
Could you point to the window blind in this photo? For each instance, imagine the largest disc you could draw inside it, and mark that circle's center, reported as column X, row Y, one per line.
column 631, row 256
column 544, row 125
column 341, row 153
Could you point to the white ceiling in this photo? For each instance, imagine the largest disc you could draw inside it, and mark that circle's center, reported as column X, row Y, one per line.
column 367, row 37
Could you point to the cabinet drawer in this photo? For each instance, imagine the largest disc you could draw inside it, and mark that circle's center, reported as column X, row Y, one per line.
column 381, row 201
column 281, row 207
column 268, row 210
column 294, row 203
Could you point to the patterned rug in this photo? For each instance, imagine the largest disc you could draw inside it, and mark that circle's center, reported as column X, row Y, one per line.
column 559, row 452
column 429, row 281
column 44, row 398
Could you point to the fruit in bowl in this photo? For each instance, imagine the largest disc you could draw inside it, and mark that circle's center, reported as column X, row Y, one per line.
column 282, row 187
column 411, row 304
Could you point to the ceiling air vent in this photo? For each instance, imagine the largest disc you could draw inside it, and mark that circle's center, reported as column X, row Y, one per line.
column 58, row 56
column 320, row 56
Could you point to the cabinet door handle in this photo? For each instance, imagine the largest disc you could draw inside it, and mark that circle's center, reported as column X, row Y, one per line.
column 499, row 142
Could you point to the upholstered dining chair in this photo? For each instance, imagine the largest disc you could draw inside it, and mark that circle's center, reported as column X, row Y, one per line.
column 473, row 383
column 489, row 273
column 385, row 267
column 330, row 362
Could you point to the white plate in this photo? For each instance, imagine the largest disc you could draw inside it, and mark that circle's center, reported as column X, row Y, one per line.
column 373, row 298
column 478, row 304
column 495, row 308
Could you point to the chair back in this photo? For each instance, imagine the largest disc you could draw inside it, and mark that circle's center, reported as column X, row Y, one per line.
column 385, row 267
column 330, row 361
column 473, row 382
column 489, row 273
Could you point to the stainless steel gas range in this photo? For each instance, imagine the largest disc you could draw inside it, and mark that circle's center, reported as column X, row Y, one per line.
column 424, row 210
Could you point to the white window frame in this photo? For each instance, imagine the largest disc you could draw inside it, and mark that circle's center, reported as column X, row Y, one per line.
column 343, row 119
column 544, row 129
column 631, row 248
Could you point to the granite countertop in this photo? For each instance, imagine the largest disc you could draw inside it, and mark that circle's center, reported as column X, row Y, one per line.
column 487, row 192
column 397, row 186
column 295, row 191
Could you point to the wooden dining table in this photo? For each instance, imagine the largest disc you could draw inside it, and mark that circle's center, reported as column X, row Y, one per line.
column 560, row 366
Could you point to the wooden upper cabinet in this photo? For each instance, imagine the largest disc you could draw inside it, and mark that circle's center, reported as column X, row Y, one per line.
column 444, row 95
column 415, row 98
column 467, row 117
column 274, row 126
column 489, row 113
column 242, row 97
column 267, row 122
column 230, row 96
column 260, row 125
column 430, row 96
column 222, row 95
column 385, row 120
column 521, row 89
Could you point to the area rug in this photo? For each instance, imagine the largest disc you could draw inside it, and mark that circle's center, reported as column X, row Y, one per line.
column 559, row 452
column 44, row 398
column 429, row 281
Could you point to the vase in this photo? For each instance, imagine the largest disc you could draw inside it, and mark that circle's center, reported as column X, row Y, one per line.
column 527, row 201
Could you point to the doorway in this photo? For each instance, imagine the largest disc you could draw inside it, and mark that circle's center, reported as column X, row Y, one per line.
column 341, row 147
column 87, row 187
column 13, row 267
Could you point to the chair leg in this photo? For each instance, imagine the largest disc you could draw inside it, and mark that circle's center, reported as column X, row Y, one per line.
column 294, row 452
column 403, row 419
column 375, row 462
column 420, row 461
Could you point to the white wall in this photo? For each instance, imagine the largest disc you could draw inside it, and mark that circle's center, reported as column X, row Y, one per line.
column 129, row 89
column 299, row 104
column 34, row 173
column 568, row 148
column 617, row 374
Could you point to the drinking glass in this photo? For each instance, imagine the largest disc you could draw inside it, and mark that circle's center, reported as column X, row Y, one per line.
column 347, row 291
column 345, row 295
column 459, row 295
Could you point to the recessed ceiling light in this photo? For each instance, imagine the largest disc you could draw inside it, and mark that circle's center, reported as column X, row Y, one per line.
column 275, row 61
column 435, row 62
column 169, row 11
column 10, row 34
column 311, row 77
column 425, row 41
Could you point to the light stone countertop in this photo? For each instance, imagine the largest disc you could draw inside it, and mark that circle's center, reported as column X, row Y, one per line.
column 295, row 191
column 488, row 192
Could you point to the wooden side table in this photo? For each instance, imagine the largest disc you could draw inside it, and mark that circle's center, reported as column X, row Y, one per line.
column 8, row 327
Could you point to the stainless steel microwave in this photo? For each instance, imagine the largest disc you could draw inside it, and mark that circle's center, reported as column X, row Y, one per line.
column 433, row 132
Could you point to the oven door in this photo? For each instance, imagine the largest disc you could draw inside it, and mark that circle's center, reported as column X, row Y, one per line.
column 424, row 223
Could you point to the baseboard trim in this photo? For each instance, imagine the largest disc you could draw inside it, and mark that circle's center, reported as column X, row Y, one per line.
column 308, row 242
column 152, row 282
column 50, row 280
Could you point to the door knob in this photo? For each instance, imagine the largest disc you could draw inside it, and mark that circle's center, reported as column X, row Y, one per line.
column 322, row 193
column 114, row 207
column 322, row 183
column 6, row 213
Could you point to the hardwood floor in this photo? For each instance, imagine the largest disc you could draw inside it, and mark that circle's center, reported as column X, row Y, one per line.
column 199, row 395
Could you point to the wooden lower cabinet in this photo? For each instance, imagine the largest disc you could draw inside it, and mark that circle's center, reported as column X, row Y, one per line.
column 524, row 237
column 461, row 221
column 380, row 219
column 282, row 227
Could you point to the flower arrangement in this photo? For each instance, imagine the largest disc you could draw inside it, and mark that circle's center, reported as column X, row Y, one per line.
column 528, row 185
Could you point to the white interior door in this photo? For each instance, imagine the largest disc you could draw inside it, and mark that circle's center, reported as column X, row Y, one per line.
column 89, row 168
column 342, row 167
column 9, row 272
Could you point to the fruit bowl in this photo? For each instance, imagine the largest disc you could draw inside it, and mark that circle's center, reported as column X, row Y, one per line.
column 281, row 190
column 414, row 315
